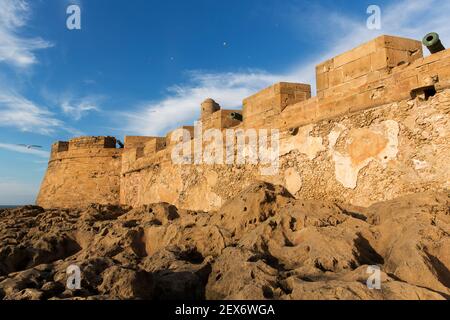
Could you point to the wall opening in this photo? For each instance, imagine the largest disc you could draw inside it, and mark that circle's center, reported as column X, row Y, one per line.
column 424, row 92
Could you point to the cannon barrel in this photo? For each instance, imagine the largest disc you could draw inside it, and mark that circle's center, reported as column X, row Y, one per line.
column 236, row 116
column 433, row 43
column 293, row 131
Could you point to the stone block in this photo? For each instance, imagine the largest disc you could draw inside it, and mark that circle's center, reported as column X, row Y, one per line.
column 92, row 143
column 60, row 146
column 274, row 99
column 378, row 55
column 154, row 145
column 132, row 142
column 168, row 139
column 220, row 120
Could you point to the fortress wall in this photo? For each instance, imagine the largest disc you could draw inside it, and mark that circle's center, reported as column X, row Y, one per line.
column 379, row 128
column 134, row 142
column 264, row 107
column 81, row 171
column 372, row 90
column 362, row 158
column 365, row 63
column 344, row 148
column 169, row 139
column 220, row 120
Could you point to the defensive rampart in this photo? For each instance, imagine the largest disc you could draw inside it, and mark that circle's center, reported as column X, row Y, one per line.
column 378, row 128
column 82, row 171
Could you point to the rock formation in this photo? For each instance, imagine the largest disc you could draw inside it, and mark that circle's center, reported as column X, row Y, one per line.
column 261, row 244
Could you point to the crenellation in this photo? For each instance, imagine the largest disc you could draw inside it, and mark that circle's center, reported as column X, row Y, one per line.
column 60, row 146
column 92, row 143
column 221, row 119
column 370, row 81
column 268, row 103
column 372, row 59
column 169, row 141
column 131, row 142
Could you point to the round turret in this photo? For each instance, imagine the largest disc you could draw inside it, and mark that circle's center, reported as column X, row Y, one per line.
column 209, row 106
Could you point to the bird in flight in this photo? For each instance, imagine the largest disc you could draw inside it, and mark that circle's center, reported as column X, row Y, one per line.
column 30, row 146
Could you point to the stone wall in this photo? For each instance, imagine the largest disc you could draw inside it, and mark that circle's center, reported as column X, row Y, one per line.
column 378, row 128
column 81, row 171
column 377, row 154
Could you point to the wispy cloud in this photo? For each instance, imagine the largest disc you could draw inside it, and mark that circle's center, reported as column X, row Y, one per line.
column 182, row 105
column 72, row 104
column 18, row 112
column 15, row 49
column 22, row 149
column 78, row 108
column 408, row 18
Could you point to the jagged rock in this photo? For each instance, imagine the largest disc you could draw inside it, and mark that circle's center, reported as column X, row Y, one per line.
column 27, row 294
column 264, row 244
column 178, row 274
column 241, row 274
column 158, row 213
column 253, row 205
column 413, row 236
column 341, row 290
column 126, row 283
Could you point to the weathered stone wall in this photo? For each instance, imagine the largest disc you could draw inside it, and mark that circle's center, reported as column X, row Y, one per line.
column 377, row 154
column 378, row 128
column 81, row 171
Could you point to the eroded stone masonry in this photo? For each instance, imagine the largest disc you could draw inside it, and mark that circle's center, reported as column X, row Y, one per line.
column 378, row 128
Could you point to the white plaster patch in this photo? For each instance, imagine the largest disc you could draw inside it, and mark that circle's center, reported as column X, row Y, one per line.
column 333, row 136
column 390, row 152
column 304, row 143
column 419, row 164
column 346, row 172
column 293, row 180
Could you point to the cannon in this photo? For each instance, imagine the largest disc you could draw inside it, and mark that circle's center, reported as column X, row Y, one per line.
column 433, row 43
column 236, row 116
column 120, row 143
column 293, row 131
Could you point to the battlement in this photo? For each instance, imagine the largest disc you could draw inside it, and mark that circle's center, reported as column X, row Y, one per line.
column 365, row 63
column 92, row 143
column 168, row 139
column 82, row 170
column 264, row 107
column 383, row 70
column 133, row 142
column 83, row 146
column 387, row 69
column 368, row 80
column 60, row 146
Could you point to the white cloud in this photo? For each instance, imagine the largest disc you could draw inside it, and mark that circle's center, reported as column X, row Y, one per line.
column 15, row 49
column 22, row 149
column 407, row 18
column 77, row 108
column 18, row 112
column 183, row 103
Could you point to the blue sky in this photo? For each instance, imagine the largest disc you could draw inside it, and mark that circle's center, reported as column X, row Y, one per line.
column 143, row 67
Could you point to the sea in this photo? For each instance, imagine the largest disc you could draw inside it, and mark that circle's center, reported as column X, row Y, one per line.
column 8, row 207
